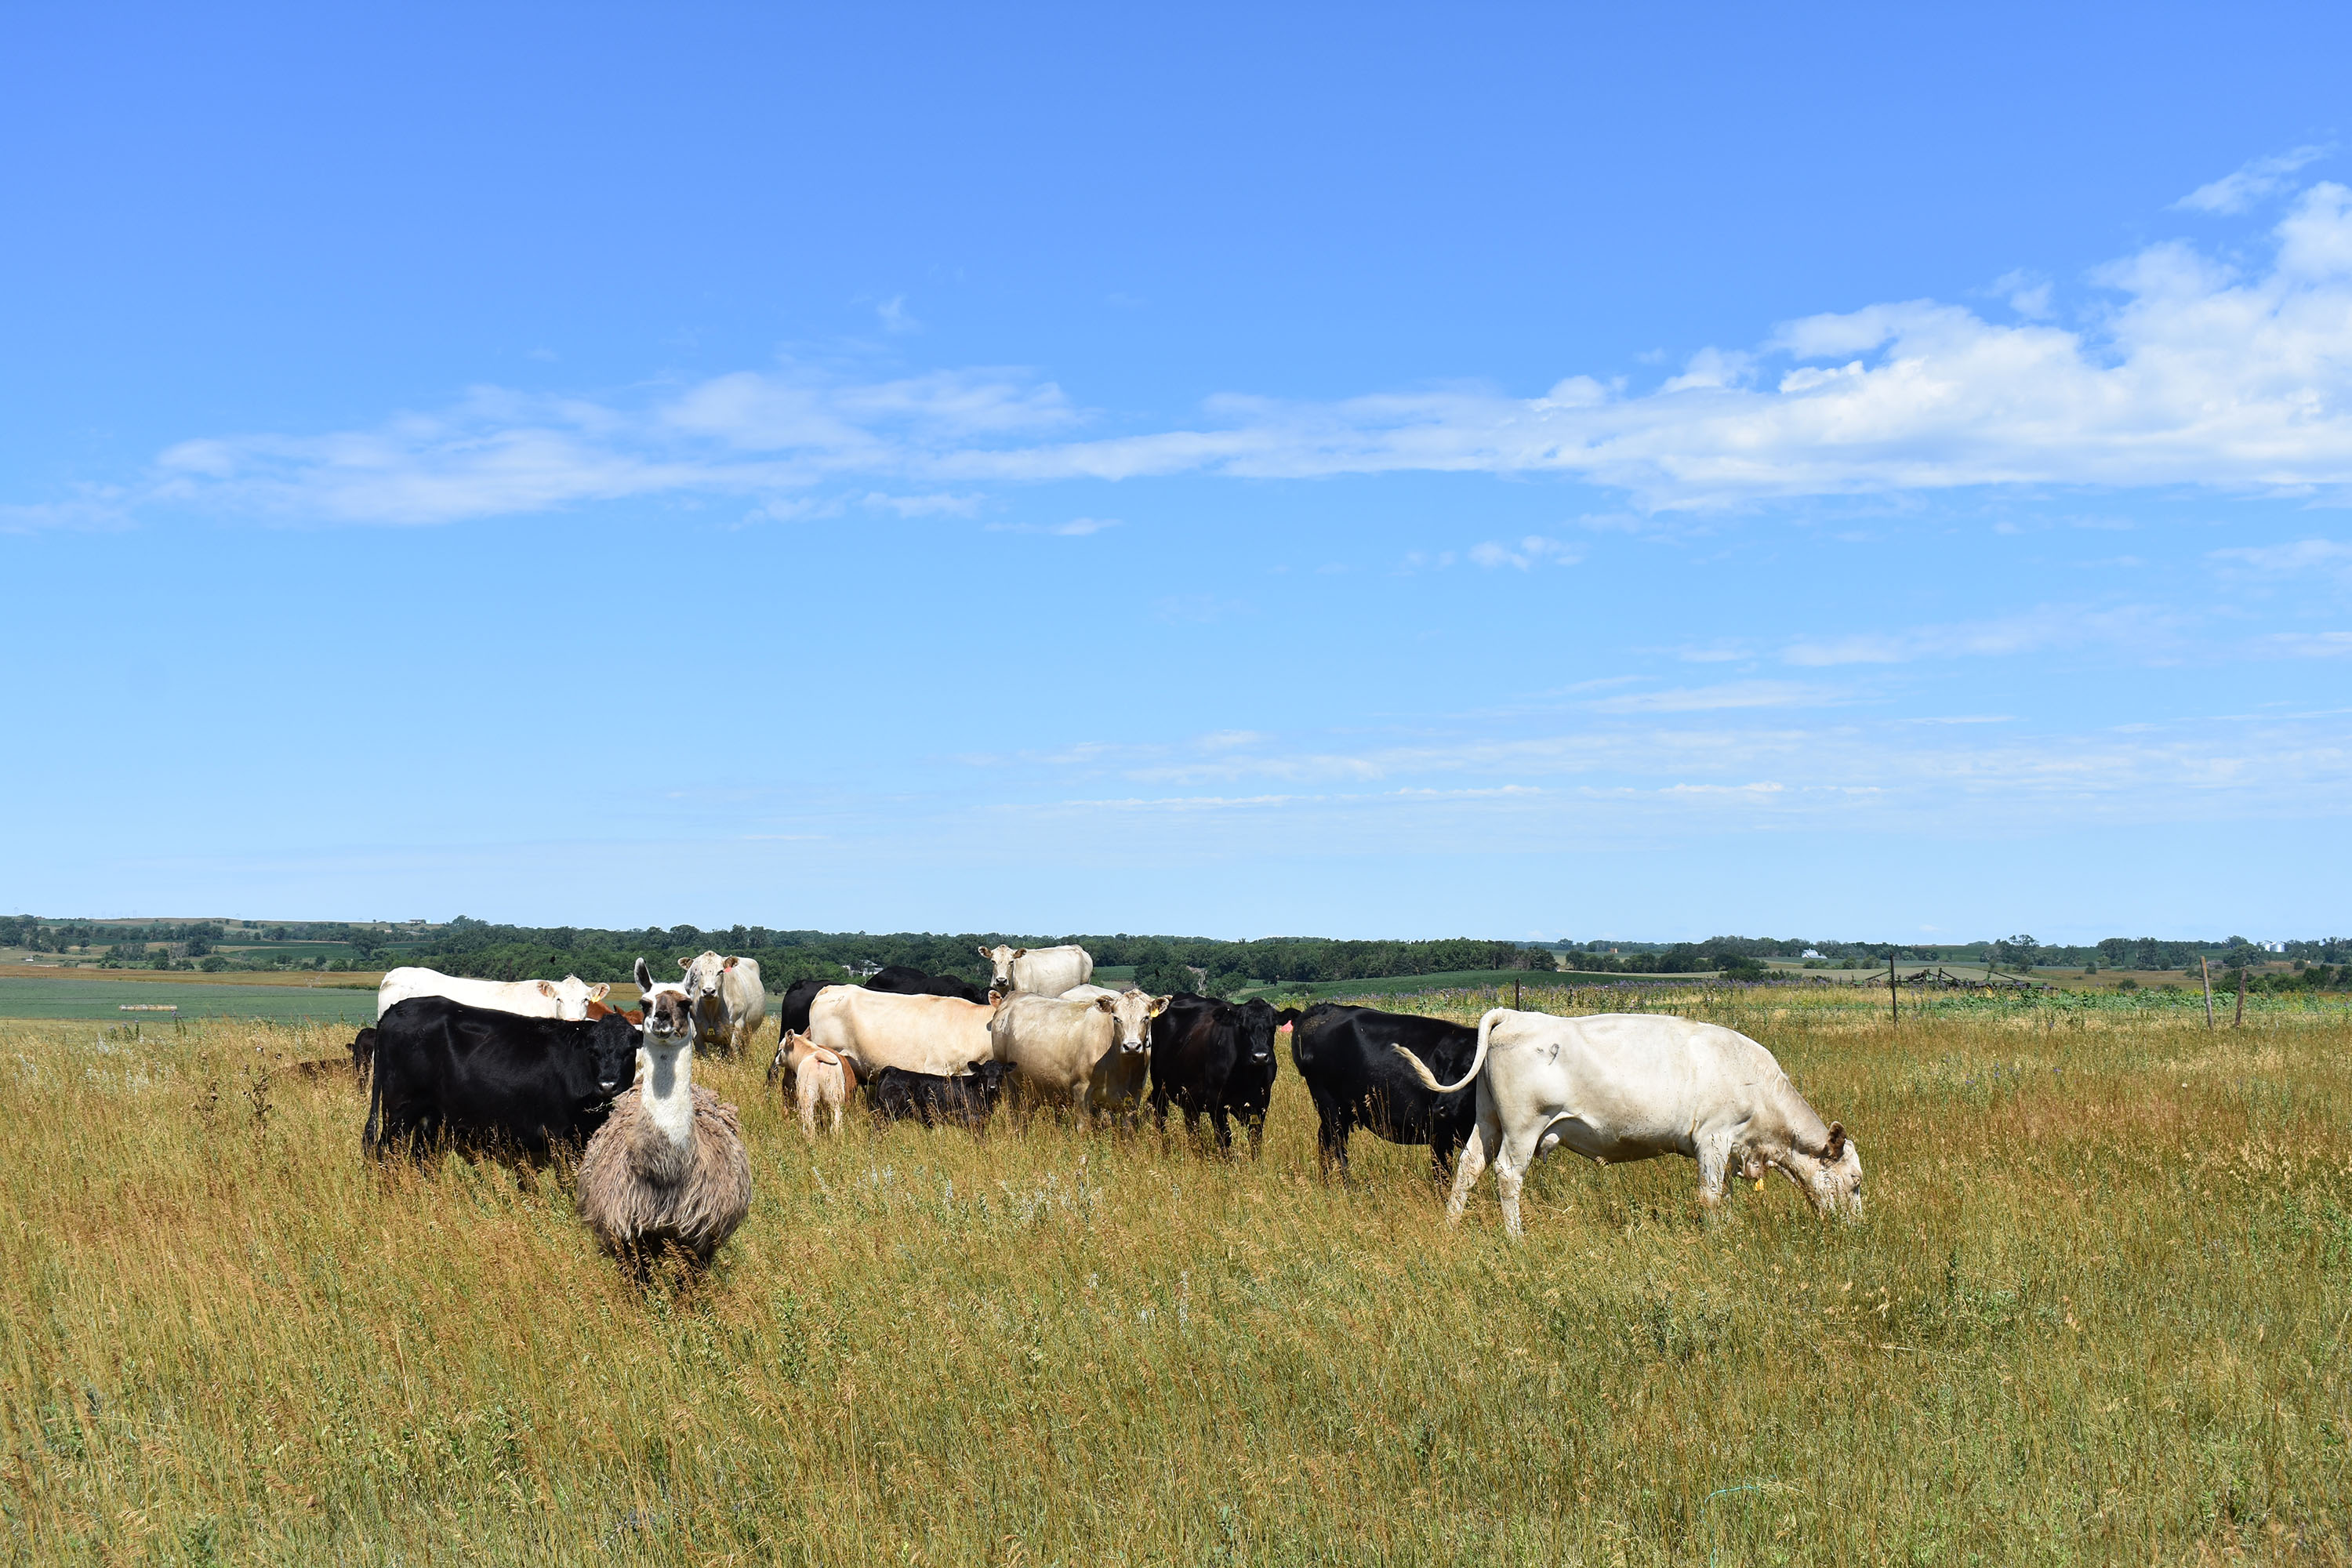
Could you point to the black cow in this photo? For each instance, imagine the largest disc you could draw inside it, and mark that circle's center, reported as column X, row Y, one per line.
column 793, row 1011
column 1216, row 1058
column 970, row 1099
column 1358, row 1081
column 905, row 981
column 493, row 1079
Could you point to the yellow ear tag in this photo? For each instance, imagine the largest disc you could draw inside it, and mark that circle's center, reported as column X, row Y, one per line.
column 1760, row 1184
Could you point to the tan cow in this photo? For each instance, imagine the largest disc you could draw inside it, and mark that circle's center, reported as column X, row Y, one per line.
column 820, row 1078
column 1620, row 1086
column 943, row 1034
column 1037, row 971
column 1089, row 1053
column 729, row 1002
column 567, row 999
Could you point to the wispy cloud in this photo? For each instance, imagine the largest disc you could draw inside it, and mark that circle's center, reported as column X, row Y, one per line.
column 1715, row 698
column 2200, row 373
column 2251, row 181
column 1532, row 550
column 2049, row 625
column 2303, row 555
column 1076, row 528
column 895, row 317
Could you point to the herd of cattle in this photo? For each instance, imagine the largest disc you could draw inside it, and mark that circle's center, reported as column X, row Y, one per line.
column 536, row 1064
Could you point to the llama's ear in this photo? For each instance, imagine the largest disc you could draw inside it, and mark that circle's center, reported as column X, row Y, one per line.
column 645, row 976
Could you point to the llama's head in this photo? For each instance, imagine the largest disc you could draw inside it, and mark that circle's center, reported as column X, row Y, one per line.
column 670, row 1013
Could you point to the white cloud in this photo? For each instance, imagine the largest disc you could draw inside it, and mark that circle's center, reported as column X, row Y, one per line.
column 2199, row 375
column 922, row 506
column 1709, row 698
column 894, row 316
column 2251, row 180
column 1076, row 528
column 2303, row 555
column 2312, row 644
column 2049, row 625
column 1533, row 550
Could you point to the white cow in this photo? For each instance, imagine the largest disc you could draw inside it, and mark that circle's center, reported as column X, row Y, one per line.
column 1623, row 1085
column 879, row 1029
column 1038, row 971
column 1091, row 1053
column 566, row 998
column 730, row 1003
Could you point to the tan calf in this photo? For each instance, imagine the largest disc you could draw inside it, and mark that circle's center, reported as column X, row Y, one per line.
column 819, row 1078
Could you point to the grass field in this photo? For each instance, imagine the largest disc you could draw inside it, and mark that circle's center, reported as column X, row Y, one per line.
column 2097, row 1312
column 103, row 996
column 1490, row 980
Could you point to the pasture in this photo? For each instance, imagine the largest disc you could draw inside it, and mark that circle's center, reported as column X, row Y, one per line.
column 2097, row 1312
column 100, row 995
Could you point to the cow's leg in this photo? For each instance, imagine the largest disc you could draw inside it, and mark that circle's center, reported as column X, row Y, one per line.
column 1714, row 1161
column 808, row 1115
column 1330, row 1141
column 1511, row 1163
column 1220, row 1119
column 1256, row 1123
column 1485, row 1133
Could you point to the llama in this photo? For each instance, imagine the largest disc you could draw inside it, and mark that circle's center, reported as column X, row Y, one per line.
column 820, row 1078
column 667, row 1169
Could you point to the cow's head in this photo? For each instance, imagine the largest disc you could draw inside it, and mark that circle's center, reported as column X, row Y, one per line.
column 614, row 1046
column 572, row 996
column 1000, row 957
column 1830, row 1177
column 1256, row 1024
column 1132, row 1011
column 988, row 1081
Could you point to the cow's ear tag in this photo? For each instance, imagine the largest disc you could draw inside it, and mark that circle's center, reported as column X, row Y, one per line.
column 1760, row 1184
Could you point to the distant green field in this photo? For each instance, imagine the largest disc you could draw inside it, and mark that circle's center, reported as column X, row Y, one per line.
column 104, row 999
column 1461, row 980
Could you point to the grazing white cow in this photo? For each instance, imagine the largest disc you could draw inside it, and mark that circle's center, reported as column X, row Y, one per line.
column 1623, row 1085
column 566, row 998
column 820, row 1078
column 878, row 1029
column 1087, row 993
column 1092, row 1052
column 1038, row 971
column 730, row 1003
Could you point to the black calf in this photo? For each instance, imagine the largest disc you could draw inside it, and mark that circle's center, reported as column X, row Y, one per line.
column 1214, row 1057
column 967, row 1099
column 1357, row 1080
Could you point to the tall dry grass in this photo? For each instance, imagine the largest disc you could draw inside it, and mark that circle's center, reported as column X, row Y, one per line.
column 2097, row 1312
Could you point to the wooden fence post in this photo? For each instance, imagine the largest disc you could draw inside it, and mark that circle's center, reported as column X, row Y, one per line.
column 1893, row 1006
column 2240, row 1021
column 1514, row 993
column 2206, row 971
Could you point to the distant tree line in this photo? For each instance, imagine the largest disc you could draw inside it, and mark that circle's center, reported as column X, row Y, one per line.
column 479, row 948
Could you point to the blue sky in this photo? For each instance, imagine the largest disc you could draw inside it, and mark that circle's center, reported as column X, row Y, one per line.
column 1521, row 472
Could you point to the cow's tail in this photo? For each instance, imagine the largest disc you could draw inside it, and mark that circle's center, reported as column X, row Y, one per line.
column 1478, row 1060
